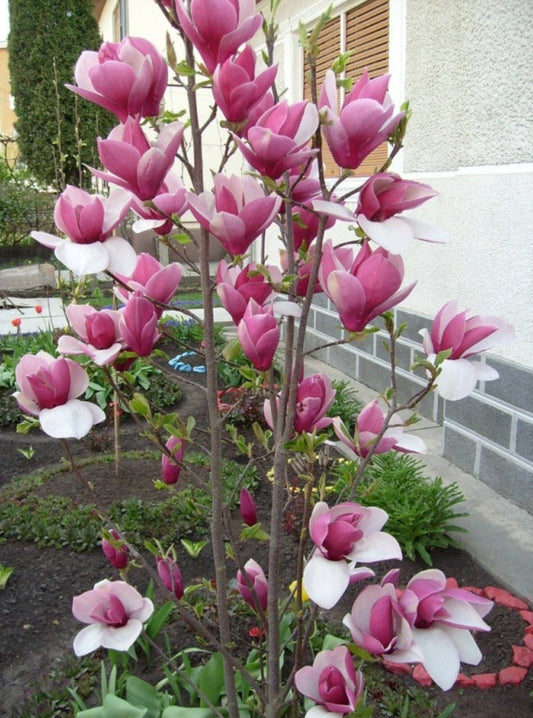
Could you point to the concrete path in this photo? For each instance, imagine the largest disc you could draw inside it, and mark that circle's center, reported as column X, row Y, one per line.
column 500, row 535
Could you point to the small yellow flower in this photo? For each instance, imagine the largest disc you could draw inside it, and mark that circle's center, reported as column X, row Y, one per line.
column 304, row 595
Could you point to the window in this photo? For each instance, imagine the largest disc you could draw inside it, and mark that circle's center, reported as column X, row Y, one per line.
column 120, row 20
column 364, row 30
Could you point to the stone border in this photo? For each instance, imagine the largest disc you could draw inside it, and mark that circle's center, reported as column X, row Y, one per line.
column 511, row 675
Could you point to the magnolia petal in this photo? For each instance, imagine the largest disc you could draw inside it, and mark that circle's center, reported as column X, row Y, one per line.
column 67, row 344
column 393, row 234
column 441, row 659
column 467, row 648
column 71, row 420
column 411, row 443
column 333, row 209
column 83, row 258
column 122, row 256
column 284, row 308
column 89, row 639
column 361, row 574
column 320, row 712
column 427, row 232
column 326, row 581
column 142, row 225
column 378, row 546
column 103, row 357
column 463, row 615
column 122, row 638
column 46, row 239
column 485, row 372
column 457, row 379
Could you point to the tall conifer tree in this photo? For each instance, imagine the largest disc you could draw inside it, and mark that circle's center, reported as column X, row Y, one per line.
column 56, row 130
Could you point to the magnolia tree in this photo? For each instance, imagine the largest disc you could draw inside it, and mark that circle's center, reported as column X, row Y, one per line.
column 283, row 187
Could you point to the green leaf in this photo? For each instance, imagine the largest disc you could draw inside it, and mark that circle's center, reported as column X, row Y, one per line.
column 255, row 532
column 193, row 548
column 141, row 694
column 211, row 680
column 139, row 405
column 183, row 69
column 5, row 573
column 180, row 712
column 158, row 619
column 330, row 642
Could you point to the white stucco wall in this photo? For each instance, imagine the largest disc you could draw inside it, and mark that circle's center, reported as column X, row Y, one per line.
column 468, row 78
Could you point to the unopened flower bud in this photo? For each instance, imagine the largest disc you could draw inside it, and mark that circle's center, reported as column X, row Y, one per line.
column 116, row 551
column 170, row 575
column 247, row 508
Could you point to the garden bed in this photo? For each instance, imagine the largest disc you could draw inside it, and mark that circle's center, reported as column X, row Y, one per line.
column 37, row 626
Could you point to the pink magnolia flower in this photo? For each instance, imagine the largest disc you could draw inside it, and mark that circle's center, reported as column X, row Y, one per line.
column 364, row 287
column 237, row 90
column 343, row 535
column 332, row 683
column 115, row 550
column 306, row 194
column 170, row 575
column 365, row 121
column 236, row 212
column 217, row 28
column 115, row 612
column 136, row 164
column 98, row 332
column 369, row 425
column 257, row 111
column 303, row 265
column 128, row 78
column 138, row 325
column 315, row 396
column 377, row 623
column 49, row 389
column 257, row 579
column 441, row 619
column 278, row 141
column 171, row 199
column 247, row 508
column 236, row 286
column 382, row 198
column 171, row 468
column 464, row 337
column 88, row 220
column 258, row 333
column 151, row 279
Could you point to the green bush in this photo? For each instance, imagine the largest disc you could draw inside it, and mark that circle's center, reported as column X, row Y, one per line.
column 421, row 510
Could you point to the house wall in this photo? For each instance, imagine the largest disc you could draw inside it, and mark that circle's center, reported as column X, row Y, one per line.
column 465, row 67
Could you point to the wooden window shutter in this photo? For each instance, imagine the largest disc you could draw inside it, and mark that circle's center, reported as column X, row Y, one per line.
column 330, row 43
column 367, row 37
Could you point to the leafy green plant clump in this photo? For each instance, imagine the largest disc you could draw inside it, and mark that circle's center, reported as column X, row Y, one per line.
column 59, row 522
column 422, row 511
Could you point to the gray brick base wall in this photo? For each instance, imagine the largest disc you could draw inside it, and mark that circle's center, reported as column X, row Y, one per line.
column 489, row 434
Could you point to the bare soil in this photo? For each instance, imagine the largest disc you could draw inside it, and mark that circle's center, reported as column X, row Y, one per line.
column 37, row 628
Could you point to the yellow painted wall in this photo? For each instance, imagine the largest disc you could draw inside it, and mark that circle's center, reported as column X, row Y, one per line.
column 7, row 114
